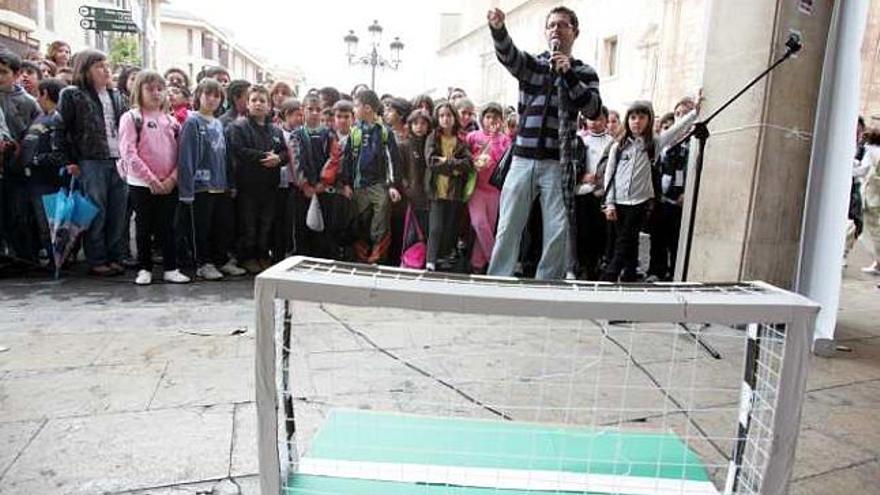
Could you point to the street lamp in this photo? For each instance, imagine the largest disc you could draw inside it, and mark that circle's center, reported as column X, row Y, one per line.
column 373, row 58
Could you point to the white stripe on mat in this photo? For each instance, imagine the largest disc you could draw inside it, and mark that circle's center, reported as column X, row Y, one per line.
column 503, row 479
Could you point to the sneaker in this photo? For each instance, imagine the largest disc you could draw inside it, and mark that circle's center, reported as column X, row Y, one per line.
column 570, row 276
column 872, row 269
column 175, row 277
column 252, row 266
column 430, row 267
column 650, row 279
column 231, row 269
column 209, row 272
column 144, row 278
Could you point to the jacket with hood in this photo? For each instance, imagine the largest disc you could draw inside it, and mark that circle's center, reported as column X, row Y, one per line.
column 85, row 134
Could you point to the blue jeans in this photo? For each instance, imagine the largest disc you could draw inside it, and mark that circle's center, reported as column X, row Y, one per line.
column 104, row 242
column 526, row 180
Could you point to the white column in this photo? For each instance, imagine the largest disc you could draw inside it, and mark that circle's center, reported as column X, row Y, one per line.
column 824, row 225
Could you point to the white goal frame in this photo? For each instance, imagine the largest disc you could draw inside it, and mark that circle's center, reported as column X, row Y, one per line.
column 323, row 281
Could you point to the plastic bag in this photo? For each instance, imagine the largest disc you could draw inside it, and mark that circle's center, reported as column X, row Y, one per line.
column 314, row 217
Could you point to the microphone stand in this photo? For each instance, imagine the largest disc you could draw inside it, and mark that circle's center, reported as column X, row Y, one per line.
column 701, row 132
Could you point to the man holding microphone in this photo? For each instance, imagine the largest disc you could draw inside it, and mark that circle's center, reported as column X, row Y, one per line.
column 553, row 88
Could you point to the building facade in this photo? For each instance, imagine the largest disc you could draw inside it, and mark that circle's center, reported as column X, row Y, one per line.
column 34, row 24
column 192, row 43
column 642, row 49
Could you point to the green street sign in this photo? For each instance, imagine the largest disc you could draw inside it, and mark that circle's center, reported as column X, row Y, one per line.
column 104, row 14
column 100, row 25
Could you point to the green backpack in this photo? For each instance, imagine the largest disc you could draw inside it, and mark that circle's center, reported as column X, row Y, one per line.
column 356, row 138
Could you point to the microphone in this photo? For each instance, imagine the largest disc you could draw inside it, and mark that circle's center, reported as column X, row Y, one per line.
column 554, row 47
column 793, row 43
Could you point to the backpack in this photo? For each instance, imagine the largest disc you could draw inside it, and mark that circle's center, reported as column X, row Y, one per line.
column 139, row 125
column 650, row 148
column 356, row 138
column 138, row 119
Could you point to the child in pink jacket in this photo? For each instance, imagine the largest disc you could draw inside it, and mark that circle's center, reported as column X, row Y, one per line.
column 148, row 163
column 487, row 147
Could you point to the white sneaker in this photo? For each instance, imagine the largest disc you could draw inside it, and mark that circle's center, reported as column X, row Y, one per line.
column 231, row 269
column 430, row 267
column 175, row 277
column 208, row 272
column 144, row 278
column 570, row 276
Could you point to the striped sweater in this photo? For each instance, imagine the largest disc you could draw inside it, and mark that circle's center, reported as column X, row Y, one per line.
column 576, row 90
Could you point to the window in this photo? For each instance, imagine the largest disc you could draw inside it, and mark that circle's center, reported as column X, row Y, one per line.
column 189, row 41
column 609, row 57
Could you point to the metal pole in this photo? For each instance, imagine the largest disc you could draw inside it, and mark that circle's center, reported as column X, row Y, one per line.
column 145, row 31
column 374, row 56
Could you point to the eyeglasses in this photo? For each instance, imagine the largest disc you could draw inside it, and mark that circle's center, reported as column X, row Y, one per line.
column 561, row 26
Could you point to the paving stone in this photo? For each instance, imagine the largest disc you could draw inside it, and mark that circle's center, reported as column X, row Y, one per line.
column 861, row 479
column 244, row 440
column 205, row 382
column 819, row 453
column 39, row 350
column 117, row 452
column 163, row 346
column 850, row 414
column 13, row 438
column 76, row 392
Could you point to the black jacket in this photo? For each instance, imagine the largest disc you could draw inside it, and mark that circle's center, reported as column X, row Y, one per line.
column 42, row 151
column 248, row 143
column 85, row 137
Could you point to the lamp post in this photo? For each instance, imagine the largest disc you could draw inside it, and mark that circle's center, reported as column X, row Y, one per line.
column 373, row 58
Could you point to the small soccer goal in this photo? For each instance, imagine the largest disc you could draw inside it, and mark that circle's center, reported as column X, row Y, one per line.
column 384, row 381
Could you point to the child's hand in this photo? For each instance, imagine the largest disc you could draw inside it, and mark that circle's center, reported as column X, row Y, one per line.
column 346, row 191
column 589, row 179
column 271, row 160
column 73, row 169
column 610, row 214
column 394, row 194
column 168, row 185
column 495, row 18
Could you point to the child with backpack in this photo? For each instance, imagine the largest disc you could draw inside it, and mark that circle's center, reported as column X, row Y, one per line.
column 449, row 168
column 205, row 183
column 370, row 175
column 42, row 156
column 148, row 162
column 487, row 147
column 259, row 152
column 630, row 188
column 317, row 172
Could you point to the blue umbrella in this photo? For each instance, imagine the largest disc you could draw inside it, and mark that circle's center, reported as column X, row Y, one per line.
column 69, row 214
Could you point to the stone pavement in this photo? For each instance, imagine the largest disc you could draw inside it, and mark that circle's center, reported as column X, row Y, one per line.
column 109, row 388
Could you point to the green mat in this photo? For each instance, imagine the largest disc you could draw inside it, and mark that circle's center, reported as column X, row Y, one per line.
column 362, row 452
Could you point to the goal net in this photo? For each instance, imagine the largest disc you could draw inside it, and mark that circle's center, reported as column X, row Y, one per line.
column 375, row 380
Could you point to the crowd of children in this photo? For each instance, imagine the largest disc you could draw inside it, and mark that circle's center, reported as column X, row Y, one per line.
column 224, row 177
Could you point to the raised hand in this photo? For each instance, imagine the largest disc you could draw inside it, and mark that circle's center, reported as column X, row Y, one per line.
column 495, row 18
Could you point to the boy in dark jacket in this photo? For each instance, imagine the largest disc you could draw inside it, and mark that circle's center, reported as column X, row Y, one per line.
column 317, row 173
column 42, row 154
column 20, row 110
column 259, row 151
column 370, row 176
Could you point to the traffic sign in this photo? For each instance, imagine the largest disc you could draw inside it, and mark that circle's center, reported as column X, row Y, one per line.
column 101, row 25
column 105, row 14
